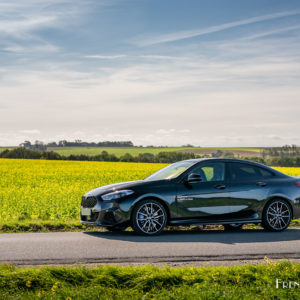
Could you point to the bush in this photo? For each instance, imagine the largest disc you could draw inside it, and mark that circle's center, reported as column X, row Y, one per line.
column 21, row 153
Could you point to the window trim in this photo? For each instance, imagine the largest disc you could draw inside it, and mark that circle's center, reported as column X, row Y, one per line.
column 255, row 167
column 203, row 164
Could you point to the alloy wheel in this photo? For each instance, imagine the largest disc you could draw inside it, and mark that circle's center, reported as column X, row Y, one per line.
column 150, row 218
column 278, row 215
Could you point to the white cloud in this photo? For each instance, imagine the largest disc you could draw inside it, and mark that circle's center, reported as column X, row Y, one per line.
column 165, row 131
column 242, row 92
column 18, row 28
column 106, row 56
column 180, row 35
column 22, row 21
column 271, row 32
column 184, row 131
column 171, row 131
column 30, row 131
column 168, row 57
column 222, row 101
column 38, row 48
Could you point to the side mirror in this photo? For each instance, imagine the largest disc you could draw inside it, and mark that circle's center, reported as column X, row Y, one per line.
column 194, row 178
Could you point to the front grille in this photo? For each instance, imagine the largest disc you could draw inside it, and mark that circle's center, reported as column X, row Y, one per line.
column 88, row 202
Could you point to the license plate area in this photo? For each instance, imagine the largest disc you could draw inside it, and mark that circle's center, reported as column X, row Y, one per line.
column 86, row 211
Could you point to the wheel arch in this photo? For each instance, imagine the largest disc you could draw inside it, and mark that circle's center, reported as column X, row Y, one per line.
column 281, row 198
column 152, row 197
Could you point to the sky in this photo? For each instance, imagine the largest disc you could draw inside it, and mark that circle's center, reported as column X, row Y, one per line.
column 156, row 72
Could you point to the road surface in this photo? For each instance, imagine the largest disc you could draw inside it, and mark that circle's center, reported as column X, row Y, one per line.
column 170, row 247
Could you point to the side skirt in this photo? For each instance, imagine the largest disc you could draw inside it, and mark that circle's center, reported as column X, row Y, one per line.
column 202, row 222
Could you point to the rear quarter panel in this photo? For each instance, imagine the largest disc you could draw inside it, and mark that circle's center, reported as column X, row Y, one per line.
column 284, row 189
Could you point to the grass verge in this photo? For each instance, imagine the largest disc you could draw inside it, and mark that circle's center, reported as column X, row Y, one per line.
column 119, row 151
column 42, row 226
column 149, row 282
column 74, row 225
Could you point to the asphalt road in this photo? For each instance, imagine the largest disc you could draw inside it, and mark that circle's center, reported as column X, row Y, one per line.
column 173, row 246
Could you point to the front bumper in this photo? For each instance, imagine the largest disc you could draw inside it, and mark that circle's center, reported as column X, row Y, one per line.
column 104, row 214
column 100, row 218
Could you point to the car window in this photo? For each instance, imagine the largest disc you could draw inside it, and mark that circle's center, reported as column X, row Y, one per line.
column 211, row 172
column 266, row 173
column 240, row 171
column 172, row 170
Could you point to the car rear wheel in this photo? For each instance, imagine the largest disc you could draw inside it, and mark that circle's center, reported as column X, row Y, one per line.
column 277, row 215
column 233, row 227
column 149, row 217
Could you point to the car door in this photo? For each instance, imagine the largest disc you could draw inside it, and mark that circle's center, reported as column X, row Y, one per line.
column 248, row 186
column 208, row 198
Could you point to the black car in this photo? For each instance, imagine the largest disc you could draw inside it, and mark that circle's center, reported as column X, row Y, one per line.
column 230, row 192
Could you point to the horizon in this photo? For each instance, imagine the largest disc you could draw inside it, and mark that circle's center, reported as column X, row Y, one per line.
column 174, row 72
column 147, row 146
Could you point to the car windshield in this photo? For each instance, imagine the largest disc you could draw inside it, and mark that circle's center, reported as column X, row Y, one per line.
column 171, row 171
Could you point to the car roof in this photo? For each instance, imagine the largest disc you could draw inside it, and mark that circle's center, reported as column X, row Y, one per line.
column 196, row 160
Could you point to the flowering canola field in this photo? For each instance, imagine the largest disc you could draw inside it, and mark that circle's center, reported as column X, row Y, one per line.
column 52, row 190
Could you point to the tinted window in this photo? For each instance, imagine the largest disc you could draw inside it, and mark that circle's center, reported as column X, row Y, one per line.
column 211, row 172
column 247, row 172
column 265, row 173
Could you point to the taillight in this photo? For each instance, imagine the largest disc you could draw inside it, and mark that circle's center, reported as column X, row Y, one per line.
column 297, row 183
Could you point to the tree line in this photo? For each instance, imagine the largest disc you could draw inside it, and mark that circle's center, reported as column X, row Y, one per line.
column 41, row 146
column 287, row 150
column 161, row 157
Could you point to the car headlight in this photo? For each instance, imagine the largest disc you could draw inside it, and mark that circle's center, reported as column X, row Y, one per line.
column 116, row 195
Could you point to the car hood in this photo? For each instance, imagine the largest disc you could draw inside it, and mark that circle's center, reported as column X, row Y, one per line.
column 114, row 187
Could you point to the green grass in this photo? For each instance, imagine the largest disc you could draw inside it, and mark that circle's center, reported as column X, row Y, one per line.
column 113, row 150
column 75, row 225
column 135, row 150
column 4, row 148
column 149, row 282
column 42, row 226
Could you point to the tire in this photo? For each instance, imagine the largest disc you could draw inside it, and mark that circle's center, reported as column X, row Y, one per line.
column 277, row 215
column 149, row 217
column 116, row 228
column 233, row 227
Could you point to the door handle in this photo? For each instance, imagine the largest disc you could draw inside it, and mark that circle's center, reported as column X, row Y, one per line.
column 260, row 183
column 220, row 186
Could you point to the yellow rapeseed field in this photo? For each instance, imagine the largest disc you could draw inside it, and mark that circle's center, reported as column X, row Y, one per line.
column 52, row 190
column 289, row 171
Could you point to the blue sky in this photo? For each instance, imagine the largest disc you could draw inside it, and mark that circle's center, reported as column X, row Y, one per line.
column 208, row 73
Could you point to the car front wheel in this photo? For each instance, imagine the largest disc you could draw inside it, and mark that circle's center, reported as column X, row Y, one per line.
column 149, row 217
column 277, row 215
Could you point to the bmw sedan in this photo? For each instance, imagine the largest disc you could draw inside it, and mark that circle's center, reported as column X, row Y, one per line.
column 230, row 192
